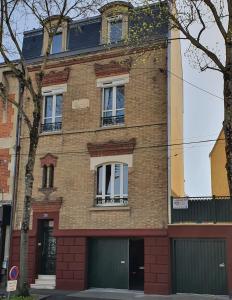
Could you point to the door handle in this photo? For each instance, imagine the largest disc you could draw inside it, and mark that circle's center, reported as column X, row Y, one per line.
column 39, row 244
column 222, row 265
column 141, row 268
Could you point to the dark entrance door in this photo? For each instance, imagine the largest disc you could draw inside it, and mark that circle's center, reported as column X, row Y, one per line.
column 46, row 248
column 199, row 266
column 108, row 263
column 136, row 277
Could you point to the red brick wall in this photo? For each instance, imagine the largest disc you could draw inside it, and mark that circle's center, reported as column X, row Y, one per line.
column 4, row 172
column 156, row 266
column 15, row 258
column 71, row 263
column 6, row 127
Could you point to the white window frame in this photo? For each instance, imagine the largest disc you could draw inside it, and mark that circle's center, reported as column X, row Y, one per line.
column 109, row 21
column 53, row 91
column 54, row 116
column 114, row 102
column 59, row 31
column 112, row 195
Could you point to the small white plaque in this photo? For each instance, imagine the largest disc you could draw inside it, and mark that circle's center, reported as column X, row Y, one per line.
column 11, row 285
column 80, row 103
column 180, row 204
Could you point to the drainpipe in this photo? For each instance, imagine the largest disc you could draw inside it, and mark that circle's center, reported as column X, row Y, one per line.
column 16, row 169
column 169, row 123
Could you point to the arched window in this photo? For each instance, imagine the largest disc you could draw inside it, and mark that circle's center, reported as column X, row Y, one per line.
column 44, row 177
column 112, row 184
column 48, row 176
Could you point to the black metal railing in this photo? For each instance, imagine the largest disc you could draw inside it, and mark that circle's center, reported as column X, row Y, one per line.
column 49, row 127
column 201, row 210
column 111, row 201
column 107, row 121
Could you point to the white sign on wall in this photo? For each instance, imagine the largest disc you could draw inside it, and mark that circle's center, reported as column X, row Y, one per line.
column 180, row 204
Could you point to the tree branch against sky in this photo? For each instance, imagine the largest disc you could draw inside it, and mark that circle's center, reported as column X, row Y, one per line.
column 12, row 15
column 194, row 18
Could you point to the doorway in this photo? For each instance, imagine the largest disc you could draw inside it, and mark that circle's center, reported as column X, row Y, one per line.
column 136, row 265
column 46, row 248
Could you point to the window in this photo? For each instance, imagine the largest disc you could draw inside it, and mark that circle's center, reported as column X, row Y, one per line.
column 112, row 184
column 115, row 30
column 56, row 43
column 113, row 105
column 48, row 176
column 52, row 115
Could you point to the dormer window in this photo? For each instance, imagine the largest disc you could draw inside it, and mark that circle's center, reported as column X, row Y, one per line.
column 115, row 29
column 57, row 43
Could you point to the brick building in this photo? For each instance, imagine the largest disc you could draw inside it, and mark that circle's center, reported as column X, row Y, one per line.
column 8, row 129
column 103, row 173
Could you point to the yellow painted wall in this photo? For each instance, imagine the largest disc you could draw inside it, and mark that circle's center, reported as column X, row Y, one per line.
column 177, row 109
column 218, row 170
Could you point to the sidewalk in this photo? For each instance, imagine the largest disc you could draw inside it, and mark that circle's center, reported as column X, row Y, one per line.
column 112, row 294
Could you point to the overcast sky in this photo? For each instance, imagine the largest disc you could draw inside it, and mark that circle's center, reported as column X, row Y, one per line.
column 203, row 116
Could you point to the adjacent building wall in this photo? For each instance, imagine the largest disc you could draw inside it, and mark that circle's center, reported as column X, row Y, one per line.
column 175, row 75
column 217, row 156
column 8, row 123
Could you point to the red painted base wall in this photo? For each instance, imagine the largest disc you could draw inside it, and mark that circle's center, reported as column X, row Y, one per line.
column 157, row 266
column 71, row 263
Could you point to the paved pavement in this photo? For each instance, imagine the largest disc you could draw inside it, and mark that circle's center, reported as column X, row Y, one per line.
column 111, row 294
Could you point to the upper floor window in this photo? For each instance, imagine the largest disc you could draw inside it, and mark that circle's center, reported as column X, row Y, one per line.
column 48, row 176
column 113, row 105
column 56, row 43
column 115, row 29
column 112, row 184
column 52, row 113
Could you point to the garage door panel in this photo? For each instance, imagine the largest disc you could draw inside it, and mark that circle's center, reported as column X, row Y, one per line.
column 199, row 266
column 108, row 263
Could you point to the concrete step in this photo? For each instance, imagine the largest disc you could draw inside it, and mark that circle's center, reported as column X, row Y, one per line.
column 47, row 277
column 45, row 281
column 42, row 286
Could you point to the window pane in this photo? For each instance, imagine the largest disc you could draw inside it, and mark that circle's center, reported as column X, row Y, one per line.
column 59, row 100
column 115, row 31
column 48, row 107
column 107, row 114
column 117, row 179
column 125, row 179
column 108, row 180
column 99, row 180
column 120, row 112
column 44, row 179
column 108, row 95
column 48, row 121
column 120, row 97
column 57, row 43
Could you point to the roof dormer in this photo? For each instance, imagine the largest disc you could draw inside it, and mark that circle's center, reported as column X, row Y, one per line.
column 114, row 22
column 59, row 42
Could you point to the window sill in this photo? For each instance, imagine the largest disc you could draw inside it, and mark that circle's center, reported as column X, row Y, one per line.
column 111, row 127
column 46, row 190
column 45, row 133
column 107, row 208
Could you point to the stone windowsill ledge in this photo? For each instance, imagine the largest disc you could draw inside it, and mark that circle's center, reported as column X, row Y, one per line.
column 108, row 208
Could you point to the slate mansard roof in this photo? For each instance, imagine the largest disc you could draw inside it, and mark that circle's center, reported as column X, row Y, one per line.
column 84, row 35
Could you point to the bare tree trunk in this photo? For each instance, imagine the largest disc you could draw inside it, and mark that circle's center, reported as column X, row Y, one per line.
column 227, row 124
column 23, row 288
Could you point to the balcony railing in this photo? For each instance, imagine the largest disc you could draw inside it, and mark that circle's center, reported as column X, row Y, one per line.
column 201, row 210
column 111, row 201
column 108, row 121
column 49, row 127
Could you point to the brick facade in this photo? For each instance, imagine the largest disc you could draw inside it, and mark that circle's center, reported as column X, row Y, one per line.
column 5, row 159
column 6, row 119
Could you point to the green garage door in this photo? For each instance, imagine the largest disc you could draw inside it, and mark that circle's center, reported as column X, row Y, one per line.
column 108, row 263
column 199, row 266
